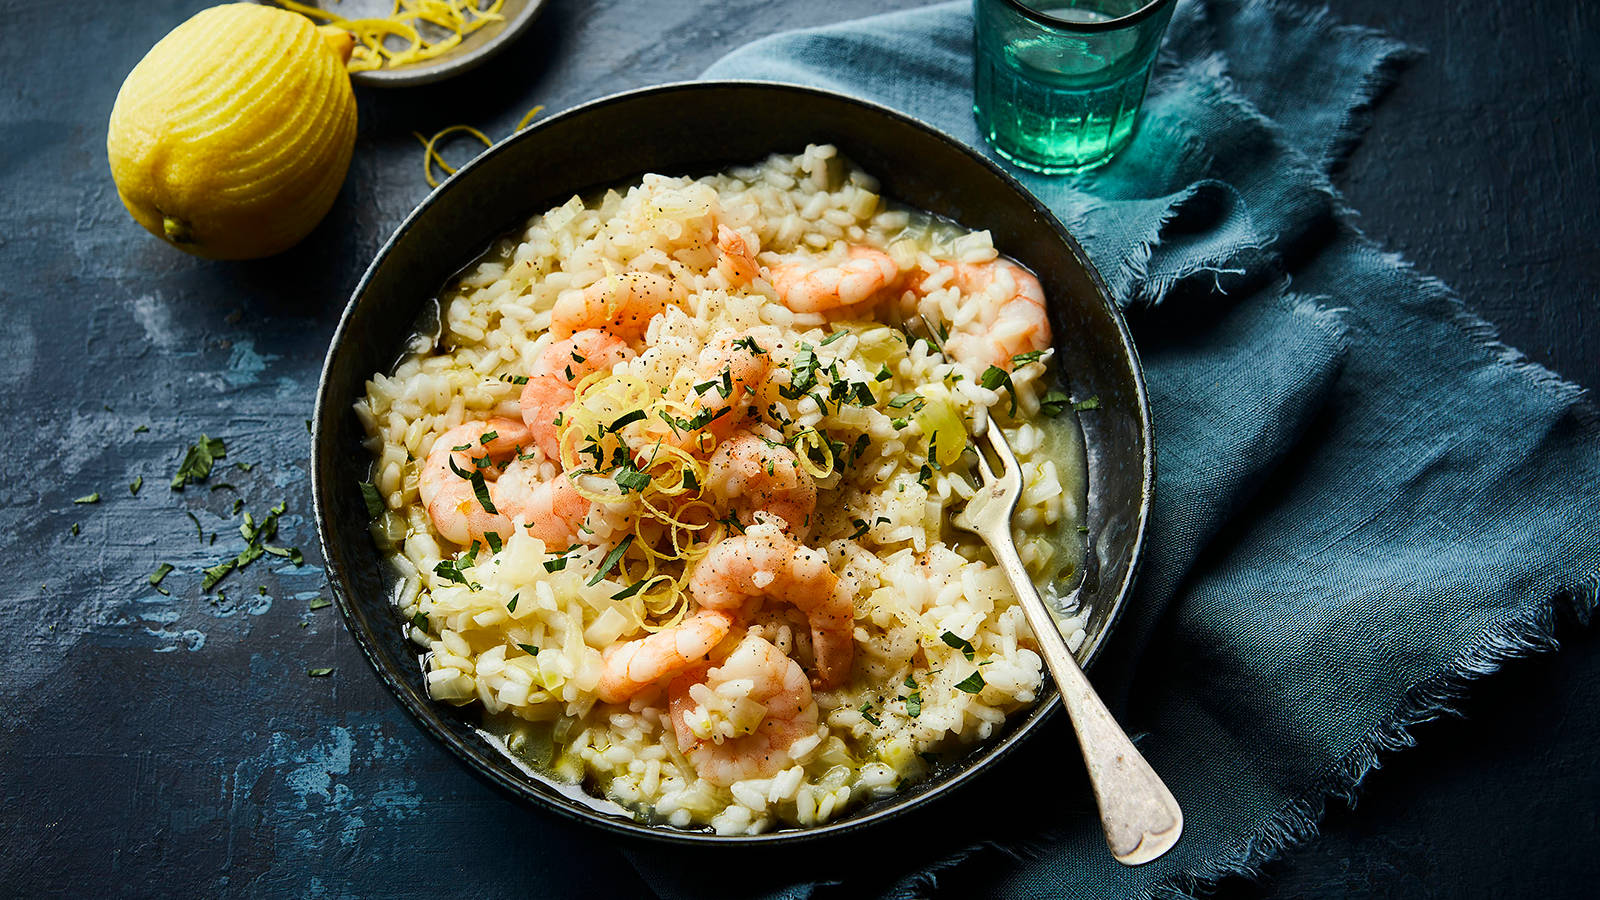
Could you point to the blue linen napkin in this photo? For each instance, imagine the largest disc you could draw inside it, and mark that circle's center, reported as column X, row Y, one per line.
column 1363, row 502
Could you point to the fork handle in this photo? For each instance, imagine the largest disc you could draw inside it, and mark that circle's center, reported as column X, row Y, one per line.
column 1139, row 815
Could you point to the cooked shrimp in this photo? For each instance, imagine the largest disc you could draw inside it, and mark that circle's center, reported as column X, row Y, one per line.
column 730, row 748
column 735, row 260
column 765, row 562
column 621, row 304
column 552, row 511
column 731, row 366
column 445, row 483
column 550, row 385
column 1016, row 323
column 752, row 475
column 630, row 667
column 806, row 287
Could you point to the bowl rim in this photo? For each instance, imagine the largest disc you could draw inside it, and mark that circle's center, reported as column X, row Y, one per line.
column 451, row 64
column 477, row 758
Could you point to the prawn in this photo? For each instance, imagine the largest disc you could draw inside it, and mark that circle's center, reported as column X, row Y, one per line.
column 735, row 260
column 447, row 489
column 550, row 386
column 632, row 666
column 620, row 304
column 806, row 287
column 1015, row 323
column 733, row 364
column 552, row 511
column 765, row 562
column 750, row 475
column 754, row 749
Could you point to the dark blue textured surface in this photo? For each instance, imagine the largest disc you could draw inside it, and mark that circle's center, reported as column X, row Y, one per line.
column 164, row 745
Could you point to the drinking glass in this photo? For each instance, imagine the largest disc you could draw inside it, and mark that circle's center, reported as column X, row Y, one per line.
column 1057, row 84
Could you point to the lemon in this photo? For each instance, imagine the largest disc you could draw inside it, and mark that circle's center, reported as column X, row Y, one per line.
column 230, row 139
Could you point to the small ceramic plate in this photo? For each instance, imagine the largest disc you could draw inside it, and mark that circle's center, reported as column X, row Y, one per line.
column 475, row 48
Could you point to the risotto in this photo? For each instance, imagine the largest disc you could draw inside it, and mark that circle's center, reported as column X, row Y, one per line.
column 672, row 477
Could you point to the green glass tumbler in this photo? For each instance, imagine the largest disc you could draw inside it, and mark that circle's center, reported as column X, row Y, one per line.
column 1057, row 84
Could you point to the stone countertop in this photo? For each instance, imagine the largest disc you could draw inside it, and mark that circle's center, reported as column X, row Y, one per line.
column 155, row 744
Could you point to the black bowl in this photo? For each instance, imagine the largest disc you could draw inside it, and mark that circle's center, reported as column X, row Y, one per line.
column 697, row 128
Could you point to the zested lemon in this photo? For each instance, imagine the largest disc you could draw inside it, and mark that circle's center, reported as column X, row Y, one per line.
column 231, row 137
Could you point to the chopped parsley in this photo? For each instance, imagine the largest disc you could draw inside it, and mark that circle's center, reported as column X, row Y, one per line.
column 555, row 564
column 529, row 649
column 160, row 574
column 511, row 605
column 138, row 482
column 1022, row 359
column 480, row 489
column 866, row 713
column 88, row 498
column 625, row 419
column 493, row 539
column 373, row 499
column 320, row 603
column 628, row 591
column 630, row 479
column 197, row 462
column 994, row 378
column 141, row 429
column 419, row 620
column 1053, row 402
column 914, row 703
column 972, row 683
column 883, row 374
column 320, row 673
column 450, row 570
column 833, row 337
column 1091, row 403
column 488, row 438
column 906, row 399
column 959, row 643
column 610, row 560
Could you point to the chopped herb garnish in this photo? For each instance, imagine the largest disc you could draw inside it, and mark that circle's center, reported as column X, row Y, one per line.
column 511, row 605
column 197, row 462
column 630, row 479
column 610, row 560
column 374, row 500
column 972, row 683
column 833, row 337
column 1022, row 359
column 861, row 528
column 994, row 377
column 962, row 644
column 320, row 603
column 914, row 704
column 911, row 682
column 1053, row 402
column 215, row 574
column 141, row 429
column 625, row 419
column 866, row 713
column 480, row 489
column 862, row 393
column 703, row 386
column 906, row 399
column 460, row 447
column 159, row 574
column 628, row 591
column 419, row 620
column 493, row 537
column 320, row 673
column 199, row 532
column 488, row 437
column 75, row 529
column 514, row 379
column 556, row 564
column 88, row 498
column 450, row 571
column 689, row 481
column 529, row 649
column 576, row 358
column 138, row 482
column 1091, row 403
column 244, row 466
column 899, row 424
column 883, row 374
column 238, row 504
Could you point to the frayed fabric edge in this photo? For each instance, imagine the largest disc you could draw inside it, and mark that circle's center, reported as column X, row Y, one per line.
column 1531, row 630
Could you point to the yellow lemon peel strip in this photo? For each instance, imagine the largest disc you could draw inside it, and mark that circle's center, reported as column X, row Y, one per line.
column 458, row 18
column 430, row 151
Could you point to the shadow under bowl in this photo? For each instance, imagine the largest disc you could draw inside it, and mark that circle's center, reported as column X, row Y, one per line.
column 698, row 128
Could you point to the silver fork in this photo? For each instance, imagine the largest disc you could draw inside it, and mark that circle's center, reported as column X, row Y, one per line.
column 1139, row 815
